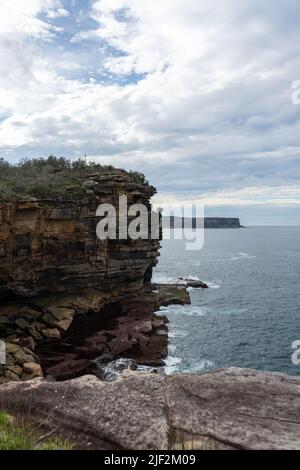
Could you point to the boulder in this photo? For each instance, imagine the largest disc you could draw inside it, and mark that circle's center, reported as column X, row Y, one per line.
column 68, row 369
column 194, row 283
column 11, row 376
column 32, row 370
column 60, row 313
column 51, row 333
column 62, row 324
column 159, row 322
column 65, row 324
column 22, row 324
column 30, row 314
column 34, row 333
column 21, row 357
column 170, row 294
column 15, row 370
column 27, row 342
column 11, row 348
column 145, row 327
column 10, row 360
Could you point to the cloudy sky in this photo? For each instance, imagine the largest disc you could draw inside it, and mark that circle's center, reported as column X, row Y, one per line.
column 196, row 94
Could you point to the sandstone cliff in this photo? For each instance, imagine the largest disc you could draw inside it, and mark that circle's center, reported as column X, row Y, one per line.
column 54, row 269
column 50, row 245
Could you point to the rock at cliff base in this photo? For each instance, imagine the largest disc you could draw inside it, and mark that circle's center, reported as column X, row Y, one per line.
column 169, row 294
column 61, row 313
column 51, row 333
column 10, row 375
column 32, row 370
column 194, row 283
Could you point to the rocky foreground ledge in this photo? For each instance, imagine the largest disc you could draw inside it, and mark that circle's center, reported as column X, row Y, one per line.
column 226, row 409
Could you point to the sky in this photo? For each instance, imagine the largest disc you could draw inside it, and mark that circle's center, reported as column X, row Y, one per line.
column 195, row 94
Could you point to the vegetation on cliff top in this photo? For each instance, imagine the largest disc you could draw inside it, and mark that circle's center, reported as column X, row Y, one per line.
column 52, row 177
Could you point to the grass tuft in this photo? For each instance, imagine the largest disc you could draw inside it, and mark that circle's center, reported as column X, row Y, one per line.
column 15, row 436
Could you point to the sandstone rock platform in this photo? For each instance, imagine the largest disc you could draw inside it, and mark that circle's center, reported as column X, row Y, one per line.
column 226, row 409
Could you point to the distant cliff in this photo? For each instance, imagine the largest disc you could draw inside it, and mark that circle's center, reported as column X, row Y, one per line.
column 209, row 222
column 222, row 222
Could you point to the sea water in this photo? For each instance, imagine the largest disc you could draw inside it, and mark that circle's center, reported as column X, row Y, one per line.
column 250, row 315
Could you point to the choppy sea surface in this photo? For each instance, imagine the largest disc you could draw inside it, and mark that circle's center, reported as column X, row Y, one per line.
column 250, row 315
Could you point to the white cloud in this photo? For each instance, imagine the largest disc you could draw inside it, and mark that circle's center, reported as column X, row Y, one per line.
column 212, row 114
column 20, row 18
column 249, row 196
column 59, row 13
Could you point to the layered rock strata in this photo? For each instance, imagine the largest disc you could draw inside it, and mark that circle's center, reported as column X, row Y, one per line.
column 53, row 267
column 66, row 297
column 50, row 246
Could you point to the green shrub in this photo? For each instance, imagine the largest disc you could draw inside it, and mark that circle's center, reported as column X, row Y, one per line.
column 51, row 177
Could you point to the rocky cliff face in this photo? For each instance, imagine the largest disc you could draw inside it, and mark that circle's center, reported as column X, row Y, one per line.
column 53, row 268
column 50, row 246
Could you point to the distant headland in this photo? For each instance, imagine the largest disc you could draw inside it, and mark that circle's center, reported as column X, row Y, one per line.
column 209, row 222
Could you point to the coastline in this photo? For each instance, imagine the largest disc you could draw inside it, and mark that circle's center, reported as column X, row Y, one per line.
column 83, row 305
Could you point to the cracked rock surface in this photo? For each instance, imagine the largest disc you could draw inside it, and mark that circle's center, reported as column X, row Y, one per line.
column 226, row 409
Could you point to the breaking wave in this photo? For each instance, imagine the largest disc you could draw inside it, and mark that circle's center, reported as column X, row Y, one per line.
column 242, row 255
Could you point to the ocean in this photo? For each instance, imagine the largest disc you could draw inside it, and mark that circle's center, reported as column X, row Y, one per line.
column 250, row 315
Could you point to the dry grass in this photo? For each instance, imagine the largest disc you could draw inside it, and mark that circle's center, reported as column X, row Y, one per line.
column 15, row 434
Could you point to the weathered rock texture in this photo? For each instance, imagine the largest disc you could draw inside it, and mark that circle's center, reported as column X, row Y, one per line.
column 226, row 409
column 126, row 328
column 53, row 267
column 50, row 246
column 65, row 333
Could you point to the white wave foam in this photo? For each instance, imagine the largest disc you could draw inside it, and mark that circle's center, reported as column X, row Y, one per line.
column 242, row 255
column 163, row 308
column 164, row 280
column 173, row 280
column 177, row 334
column 195, row 311
column 114, row 368
column 172, row 348
column 203, row 364
column 171, row 364
column 189, row 310
column 213, row 285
